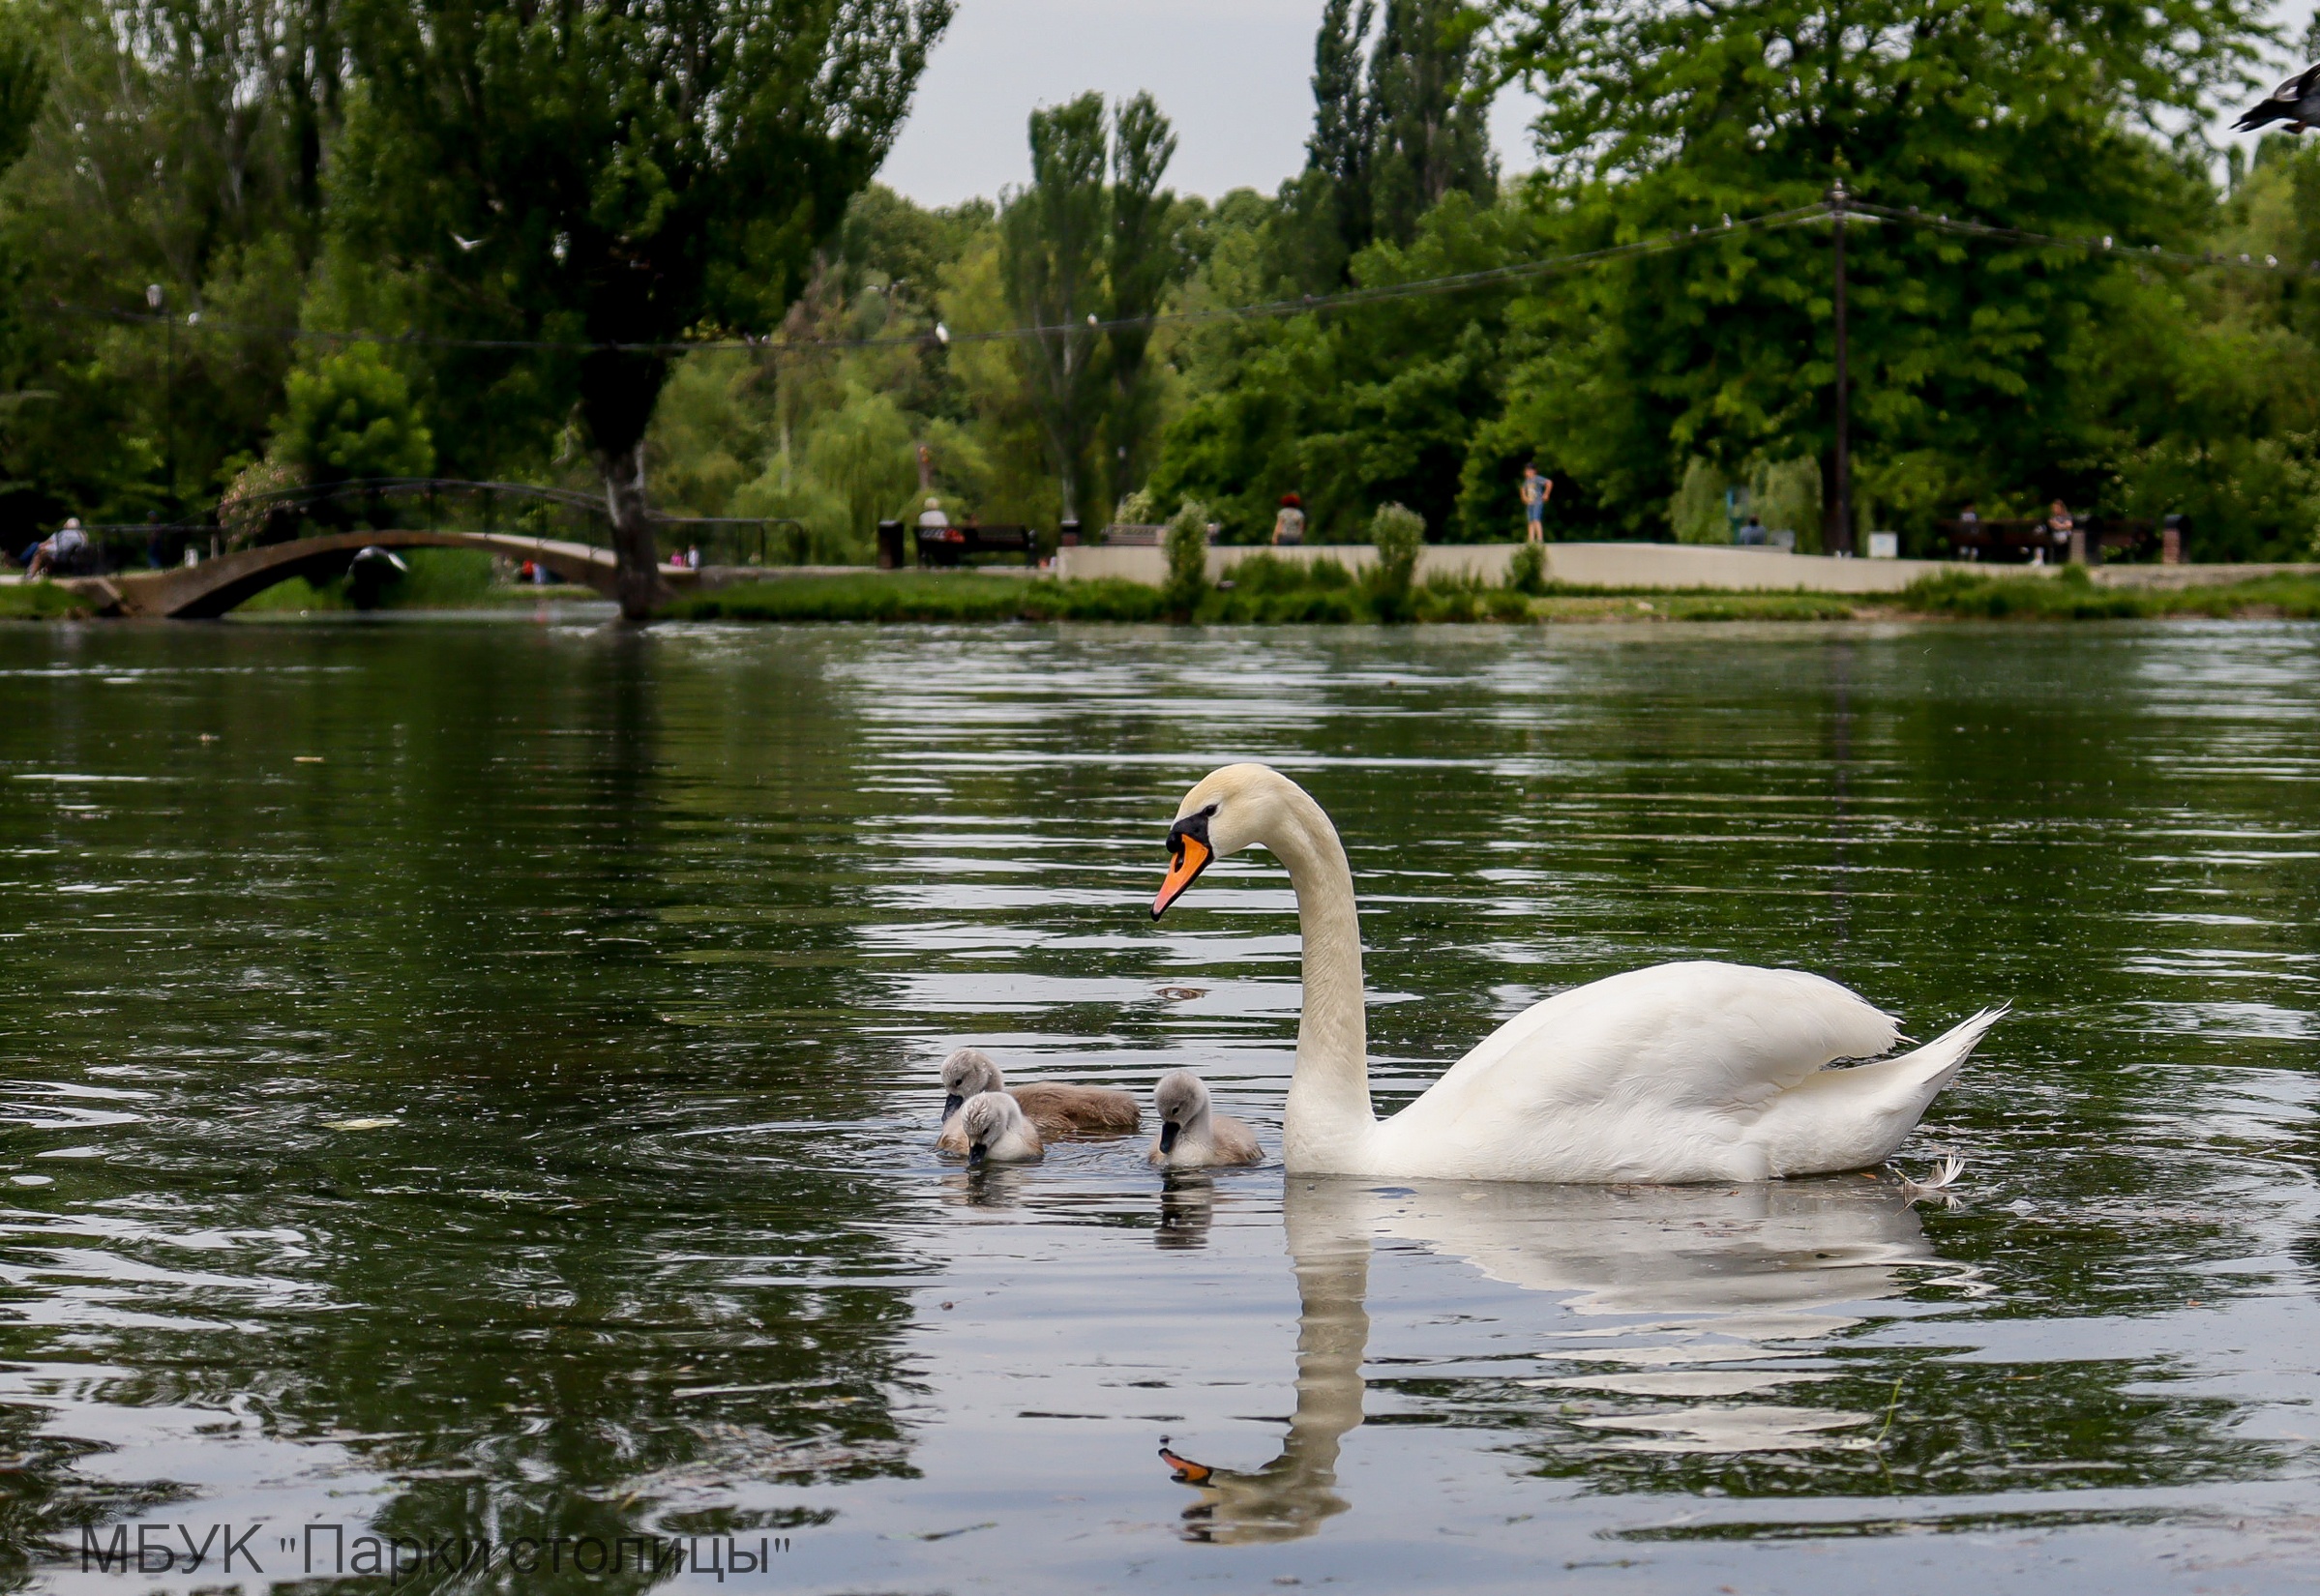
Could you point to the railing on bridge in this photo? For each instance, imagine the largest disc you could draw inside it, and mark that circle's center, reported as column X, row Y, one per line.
column 437, row 504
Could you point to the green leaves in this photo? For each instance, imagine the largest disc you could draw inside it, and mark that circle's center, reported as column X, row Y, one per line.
column 630, row 171
column 351, row 416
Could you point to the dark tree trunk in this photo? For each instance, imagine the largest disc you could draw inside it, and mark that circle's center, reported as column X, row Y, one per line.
column 634, row 545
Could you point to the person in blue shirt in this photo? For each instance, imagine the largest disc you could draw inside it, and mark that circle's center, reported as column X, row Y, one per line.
column 1535, row 491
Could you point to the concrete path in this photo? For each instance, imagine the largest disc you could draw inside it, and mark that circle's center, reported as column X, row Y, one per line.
column 1663, row 567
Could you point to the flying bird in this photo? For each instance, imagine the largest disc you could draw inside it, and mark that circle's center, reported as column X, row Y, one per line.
column 2297, row 102
column 468, row 246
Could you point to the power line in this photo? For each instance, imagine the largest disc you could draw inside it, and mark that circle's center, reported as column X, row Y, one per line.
column 1267, row 310
column 1270, row 309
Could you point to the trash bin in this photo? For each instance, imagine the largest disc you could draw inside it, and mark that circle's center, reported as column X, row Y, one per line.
column 890, row 546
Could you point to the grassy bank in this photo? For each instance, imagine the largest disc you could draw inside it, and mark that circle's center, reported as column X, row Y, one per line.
column 1267, row 592
column 40, row 602
column 1272, row 593
column 913, row 596
column 2074, row 597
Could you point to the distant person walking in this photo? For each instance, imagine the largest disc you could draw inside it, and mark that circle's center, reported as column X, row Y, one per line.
column 1289, row 523
column 1535, row 491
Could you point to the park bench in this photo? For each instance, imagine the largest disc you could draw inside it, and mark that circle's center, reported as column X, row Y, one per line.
column 2016, row 542
column 952, row 544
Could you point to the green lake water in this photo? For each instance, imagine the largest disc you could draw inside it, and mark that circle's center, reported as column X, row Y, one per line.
column 473, row 1082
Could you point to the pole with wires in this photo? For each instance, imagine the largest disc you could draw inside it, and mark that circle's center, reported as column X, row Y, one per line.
column 1838, row 525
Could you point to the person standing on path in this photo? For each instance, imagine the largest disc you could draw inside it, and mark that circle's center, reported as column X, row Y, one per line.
column 1536, row 491
column 1289, row 526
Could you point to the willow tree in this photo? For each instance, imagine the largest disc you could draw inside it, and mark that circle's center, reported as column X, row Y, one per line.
column 606, row 179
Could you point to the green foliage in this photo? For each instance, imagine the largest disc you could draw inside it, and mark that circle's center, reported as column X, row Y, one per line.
column 1392, row 401
column 351, row 415
column 960, row 597
column 618, row 174
column 179, row 148
column 439, row 578
column 1527, row 570
column 1073, row 253
column 2034, row 598
column 1386, row 152
column 1187, row 551
column 42, row 601
column 1399, row 534
column 23, row 79
column 1658, row 118
column 1697, row 511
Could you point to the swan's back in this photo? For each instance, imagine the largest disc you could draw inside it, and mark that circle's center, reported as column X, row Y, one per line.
column 1649, row 1074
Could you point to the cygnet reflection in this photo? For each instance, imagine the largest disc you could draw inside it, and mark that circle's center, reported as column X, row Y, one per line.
column 1708, row 1294
column 1187, row 1209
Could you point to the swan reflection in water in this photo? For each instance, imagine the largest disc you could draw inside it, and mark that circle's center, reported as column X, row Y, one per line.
column 1718, row 1292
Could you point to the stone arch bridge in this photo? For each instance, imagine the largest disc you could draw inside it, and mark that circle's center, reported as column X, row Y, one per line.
column 212, row 586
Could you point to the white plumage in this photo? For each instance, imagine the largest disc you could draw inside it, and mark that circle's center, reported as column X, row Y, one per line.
column 1685, row 1071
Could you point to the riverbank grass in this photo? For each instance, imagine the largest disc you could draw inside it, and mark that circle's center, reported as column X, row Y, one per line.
column 1268, row 592
column 42, row 601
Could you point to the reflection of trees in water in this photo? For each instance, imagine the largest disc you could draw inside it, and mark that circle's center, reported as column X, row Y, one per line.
column 1723, row 1362
column 535, row 1304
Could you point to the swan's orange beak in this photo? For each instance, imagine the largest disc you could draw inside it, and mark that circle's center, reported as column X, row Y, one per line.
column 1192, row 858
column 1183, row 1470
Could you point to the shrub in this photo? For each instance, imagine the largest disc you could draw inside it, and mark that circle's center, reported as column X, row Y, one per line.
column 352, row 415
column 1399, row 533
column 1527, row 571
column 1188, row 556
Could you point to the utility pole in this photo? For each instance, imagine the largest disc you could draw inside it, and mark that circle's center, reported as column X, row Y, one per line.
column 1841, row 523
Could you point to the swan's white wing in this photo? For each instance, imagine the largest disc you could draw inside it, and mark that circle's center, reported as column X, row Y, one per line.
column 1723, row 1039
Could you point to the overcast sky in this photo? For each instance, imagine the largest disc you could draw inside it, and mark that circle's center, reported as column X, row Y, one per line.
column 1233, row 75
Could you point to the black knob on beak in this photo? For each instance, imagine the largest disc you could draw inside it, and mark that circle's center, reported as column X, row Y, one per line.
column 950, row 1105
column 1168, row 1136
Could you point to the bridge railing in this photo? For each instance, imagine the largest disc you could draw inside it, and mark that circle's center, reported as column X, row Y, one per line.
column 440, row 504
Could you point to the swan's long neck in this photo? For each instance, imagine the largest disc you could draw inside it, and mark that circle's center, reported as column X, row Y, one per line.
column 1328, row 1115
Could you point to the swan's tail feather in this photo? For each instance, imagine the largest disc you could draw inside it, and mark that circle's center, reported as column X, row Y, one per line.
column 1933, row 1065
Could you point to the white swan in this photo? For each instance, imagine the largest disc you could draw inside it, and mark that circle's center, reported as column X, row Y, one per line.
column 1676, row 1073
column 1193, row 1135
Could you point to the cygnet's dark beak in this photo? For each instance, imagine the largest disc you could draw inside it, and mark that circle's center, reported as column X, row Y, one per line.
column 1168, row 1136
column 950, row 1105
column 976, row 1156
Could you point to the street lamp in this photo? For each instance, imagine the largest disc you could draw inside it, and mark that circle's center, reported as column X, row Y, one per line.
column 153, row 301
column 1842, row 489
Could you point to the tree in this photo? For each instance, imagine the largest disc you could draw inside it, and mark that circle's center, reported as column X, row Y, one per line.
column 182, row 148
column 609, row 176
column 1074, row 255
column 350, row 416
column 1144, row 264
column 1369, row 405
column 2037, row 115
column 1345, row 130
column 1385, row 153
column 1051, row 246
column 1429, row 97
